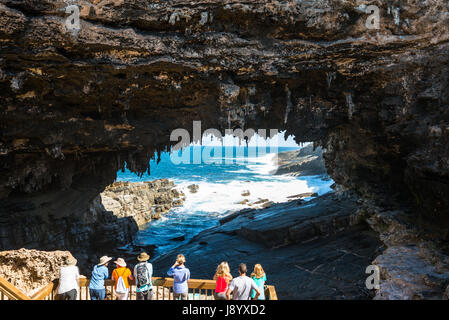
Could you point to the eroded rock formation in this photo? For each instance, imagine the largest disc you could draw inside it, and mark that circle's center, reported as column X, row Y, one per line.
column 30, row 270
column 142, row 201
column 78, row 106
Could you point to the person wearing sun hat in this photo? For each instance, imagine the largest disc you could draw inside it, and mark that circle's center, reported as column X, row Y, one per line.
column 143, row 272
column 121, row 275
column 68, row 280
column 100, row 273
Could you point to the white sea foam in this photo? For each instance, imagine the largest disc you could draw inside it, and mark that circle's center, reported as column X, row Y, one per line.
column 223, row 197
column 264, row 164
column 240, row 171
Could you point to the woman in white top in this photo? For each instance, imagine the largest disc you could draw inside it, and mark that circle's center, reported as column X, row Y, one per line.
column 68, row 281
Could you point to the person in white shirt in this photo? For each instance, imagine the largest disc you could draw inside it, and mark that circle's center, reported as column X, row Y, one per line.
column 241, row 287
column 68, row 281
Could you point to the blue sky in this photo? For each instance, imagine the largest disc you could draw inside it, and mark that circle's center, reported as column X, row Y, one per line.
column 256, row 140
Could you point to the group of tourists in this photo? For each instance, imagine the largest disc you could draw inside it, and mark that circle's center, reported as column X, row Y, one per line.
column 241, row 287
column 227, row 287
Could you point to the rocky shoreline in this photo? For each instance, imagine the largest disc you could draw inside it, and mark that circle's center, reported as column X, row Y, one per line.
column 307, row 161
column 144, row 202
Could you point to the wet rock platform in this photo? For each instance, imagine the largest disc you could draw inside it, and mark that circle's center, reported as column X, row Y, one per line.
column 318, row 250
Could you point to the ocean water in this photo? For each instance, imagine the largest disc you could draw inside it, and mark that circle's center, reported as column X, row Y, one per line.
column 220, row 189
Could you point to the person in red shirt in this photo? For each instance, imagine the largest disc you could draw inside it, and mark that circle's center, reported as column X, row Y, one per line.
column 121, row 272
column 222, row 277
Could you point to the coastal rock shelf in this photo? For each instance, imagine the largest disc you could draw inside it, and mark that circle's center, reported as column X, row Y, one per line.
column 288, row 223
column 76, row 107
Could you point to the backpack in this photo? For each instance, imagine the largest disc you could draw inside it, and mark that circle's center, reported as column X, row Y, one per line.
column 142, row 275
column 121, row 288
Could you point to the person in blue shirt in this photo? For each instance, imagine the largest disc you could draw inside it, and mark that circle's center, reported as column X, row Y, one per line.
column 259, row 278
column 180, row 275
column 100, row 273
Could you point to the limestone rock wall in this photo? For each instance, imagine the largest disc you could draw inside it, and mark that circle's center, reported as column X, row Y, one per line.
column 141, row 201
column 30, row 270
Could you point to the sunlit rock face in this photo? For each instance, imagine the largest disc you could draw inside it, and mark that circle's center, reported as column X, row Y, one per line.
column 76, row 105
column 144, row 202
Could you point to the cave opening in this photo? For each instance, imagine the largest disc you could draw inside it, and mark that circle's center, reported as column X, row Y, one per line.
column 193, row 187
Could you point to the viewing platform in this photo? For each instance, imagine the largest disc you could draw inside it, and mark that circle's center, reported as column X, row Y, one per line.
column 199, row 289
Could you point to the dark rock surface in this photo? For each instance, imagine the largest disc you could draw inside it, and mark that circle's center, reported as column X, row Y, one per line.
column 63, row 220
column 319, row 250
column 287, row 223
column 414, row 266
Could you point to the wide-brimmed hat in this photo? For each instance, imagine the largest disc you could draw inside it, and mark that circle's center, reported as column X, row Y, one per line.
column 104, row 260
column 71, row 261
column 120, row 262
column 143, row 256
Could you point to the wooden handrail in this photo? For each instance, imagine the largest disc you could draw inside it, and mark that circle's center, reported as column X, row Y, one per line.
column 47, row 291
column 12, row 292
column 161, row 282
column 271, row 293
column 157, row 281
